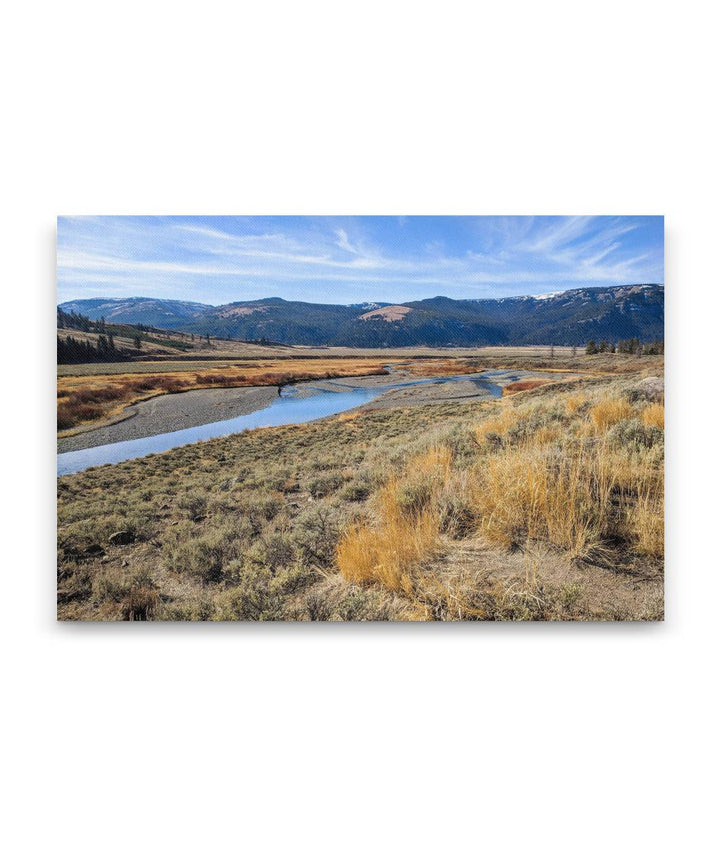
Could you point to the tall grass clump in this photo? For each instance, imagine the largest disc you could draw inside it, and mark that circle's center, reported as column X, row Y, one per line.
column 392, row 551
column 646, row 520
column 582, row 484
column 544, row 494
column 608, row 412
column 654, row 416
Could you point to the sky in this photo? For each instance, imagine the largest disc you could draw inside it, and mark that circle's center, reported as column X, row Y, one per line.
column 219, row 260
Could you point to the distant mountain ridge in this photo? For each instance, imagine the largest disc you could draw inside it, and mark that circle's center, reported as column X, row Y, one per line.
column 569, row 317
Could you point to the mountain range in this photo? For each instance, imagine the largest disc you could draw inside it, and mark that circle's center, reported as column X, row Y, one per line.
column 563, row 318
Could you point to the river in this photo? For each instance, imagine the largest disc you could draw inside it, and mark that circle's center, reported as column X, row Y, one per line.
column 290, row 408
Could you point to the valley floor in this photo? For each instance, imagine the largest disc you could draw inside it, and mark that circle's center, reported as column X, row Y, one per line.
column 545, row 505
column 177, row 411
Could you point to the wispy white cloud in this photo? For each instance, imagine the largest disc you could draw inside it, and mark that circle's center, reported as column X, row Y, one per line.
column 557, row 234
column 344, row 243
column 223, row 259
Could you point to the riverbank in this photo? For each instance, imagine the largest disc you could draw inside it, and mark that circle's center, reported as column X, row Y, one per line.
column 194, row 408
column 173, row 412
column 99, row 400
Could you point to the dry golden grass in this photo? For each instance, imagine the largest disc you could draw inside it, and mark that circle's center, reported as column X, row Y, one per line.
column 573, row 403
column 608, row 412
column 533, row 493
column 566, row 481
column 499, row 424
column 535, row 359
column 654, row 415
column 545, row 473
column 390, row 555
column 646, row 519
column 409, row 529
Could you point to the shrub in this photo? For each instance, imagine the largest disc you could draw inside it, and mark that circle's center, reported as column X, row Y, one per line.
column 262, row 504
column 65, row 417
column 635, row 434
column 325, row 484
column 201, row 558
column 356, row 491
column 318, row 608
column 523, row 385
column 194, row 504
column 107, row 586
column 70, row 413
column 316, row 535
column 141, row 602
column 650, row 389
column 254, row 599
column 278, row 550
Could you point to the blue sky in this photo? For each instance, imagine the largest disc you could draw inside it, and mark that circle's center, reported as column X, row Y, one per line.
column 351, row 259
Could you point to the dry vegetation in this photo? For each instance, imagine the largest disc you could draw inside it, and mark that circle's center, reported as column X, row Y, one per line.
column 533, row 359
column 544, row 505
column 524, row 385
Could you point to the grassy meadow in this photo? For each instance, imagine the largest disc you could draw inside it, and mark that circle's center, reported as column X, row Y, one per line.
column 546, row 504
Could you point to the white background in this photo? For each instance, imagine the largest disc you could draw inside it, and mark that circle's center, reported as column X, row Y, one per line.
column 359, row 739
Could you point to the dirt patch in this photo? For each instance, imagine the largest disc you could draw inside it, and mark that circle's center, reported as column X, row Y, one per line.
column 387, row 313
column 542, row 584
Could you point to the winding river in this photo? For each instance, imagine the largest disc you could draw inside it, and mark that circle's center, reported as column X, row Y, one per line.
column 289, row 408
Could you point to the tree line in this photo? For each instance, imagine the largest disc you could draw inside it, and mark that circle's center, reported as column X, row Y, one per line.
column 72, row 350
column 625, row 346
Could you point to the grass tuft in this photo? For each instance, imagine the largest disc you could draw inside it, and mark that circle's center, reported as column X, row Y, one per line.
column 608, row 412
column 654, row 416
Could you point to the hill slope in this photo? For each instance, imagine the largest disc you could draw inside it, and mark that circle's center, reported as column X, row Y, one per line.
column 155, row 312
column 568, row 317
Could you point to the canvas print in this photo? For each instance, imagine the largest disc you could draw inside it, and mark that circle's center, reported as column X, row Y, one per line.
column 360, row 418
